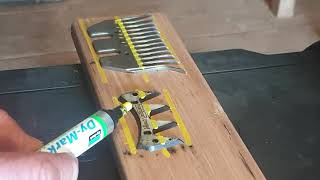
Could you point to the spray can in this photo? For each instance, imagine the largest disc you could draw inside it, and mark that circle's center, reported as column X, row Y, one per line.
column 87, row 133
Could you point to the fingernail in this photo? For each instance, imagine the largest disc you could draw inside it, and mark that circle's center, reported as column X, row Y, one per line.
column 75, row 166
column 70, row 167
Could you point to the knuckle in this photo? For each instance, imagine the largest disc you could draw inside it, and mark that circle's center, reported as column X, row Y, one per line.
column 3, row 114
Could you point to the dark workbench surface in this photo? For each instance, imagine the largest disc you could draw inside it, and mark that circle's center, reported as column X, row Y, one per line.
column 273, row 101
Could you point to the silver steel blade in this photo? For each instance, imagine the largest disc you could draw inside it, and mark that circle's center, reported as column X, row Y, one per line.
column 143, row 33
column 152, row 44
column 134, row 18
column 152, row 36
column 164, row 56
column 142, row 29
column 158, row 108
column 147, row 40
column 150, row 49
column 169, row 142
column 164, row 125
column 146, row 24
column 144, row 20
column 170, row 61
column 157, row 52
column 152, row 68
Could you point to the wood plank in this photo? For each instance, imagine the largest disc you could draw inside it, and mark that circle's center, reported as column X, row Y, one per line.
column 217, row 152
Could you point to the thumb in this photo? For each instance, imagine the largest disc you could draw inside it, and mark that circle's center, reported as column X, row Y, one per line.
column 38, row 166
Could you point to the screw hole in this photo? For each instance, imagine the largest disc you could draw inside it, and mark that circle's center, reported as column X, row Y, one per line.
column 155, row 140
column 135, row 94
column 147, row 132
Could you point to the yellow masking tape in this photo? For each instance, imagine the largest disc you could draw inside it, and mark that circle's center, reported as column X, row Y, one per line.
column 145, row 78
column 123, row 29
column 94, row 55
column 126, row 130
column 177, row 117
column 164, row 151
column 141, row 94
column 147, row 108
column 154, row 124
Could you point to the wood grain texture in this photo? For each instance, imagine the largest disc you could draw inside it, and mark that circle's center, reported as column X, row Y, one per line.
column 217, row 152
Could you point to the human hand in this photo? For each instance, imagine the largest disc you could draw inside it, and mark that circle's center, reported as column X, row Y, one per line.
column 19, row 161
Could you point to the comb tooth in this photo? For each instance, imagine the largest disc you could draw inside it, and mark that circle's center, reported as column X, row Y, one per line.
column 143, row 33
column 155, row 68
column 164, row 56
column 158, row 56
column 158, row 108
column 153, row 109
column 147, row 40
column 137, row 21
column 134, row 18
column 164, row 125
column 146, row 20
column 133, row 26
column 151, row 44
column 160, row 67
column 160, row 52
column 140, row 23
column 155, row 62
column 142, row 29
column 152, row 36
column 150, row 49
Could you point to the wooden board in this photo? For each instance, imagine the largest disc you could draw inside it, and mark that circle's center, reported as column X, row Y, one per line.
column 217, row 151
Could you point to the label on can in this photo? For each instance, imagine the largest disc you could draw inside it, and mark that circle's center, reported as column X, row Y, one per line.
column 80, row 138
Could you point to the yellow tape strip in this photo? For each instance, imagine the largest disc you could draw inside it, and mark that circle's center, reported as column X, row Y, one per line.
column 141, row 94
column 136, row 56
column 145, row 78
column 164, row 151
column 177, row 117
column 94, row 55
column 154, row 124
column 126, row 130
